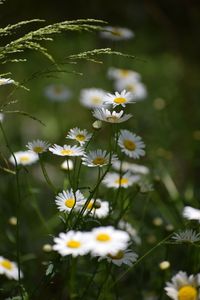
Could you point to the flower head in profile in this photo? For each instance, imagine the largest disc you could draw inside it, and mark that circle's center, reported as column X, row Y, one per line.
column 4, row 81
column 126, row 257
column 38, row 146
column 97, row 208
column 137, row 88
column 57, row 92
column 9, row 268
column 72, row 243
column 191, row 213
column 114, row 180
column 116, row 99
column 107, row 240
column 80, row 135
column 186, row 236
column 131, row 144
column 98, row 158
column 122, row 74
column 92, row 97
column 24, row 158
column 117, row 33
column 106, row 115
column 66, row 150
column 67, row 200
column 133, row 168
column 183, row 287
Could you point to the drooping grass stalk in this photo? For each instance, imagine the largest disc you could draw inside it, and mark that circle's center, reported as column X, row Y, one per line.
column 46, row 176
column 18, row 214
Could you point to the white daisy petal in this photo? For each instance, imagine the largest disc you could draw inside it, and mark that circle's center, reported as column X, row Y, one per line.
column 98, row 158
column 67, row 150
column 113, row 180
column 38, row 146
column 24, row 158
column 110, row 117
column 67, row 200
column 131, row 144
column 57, row 93
column 81, row 136
column 92, row 97
column 191, row 213
column 122, row 74
column 117, row 33
column 116, row 99
column 9, row 268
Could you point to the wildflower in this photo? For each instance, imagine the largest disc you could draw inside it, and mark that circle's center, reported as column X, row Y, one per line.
column 131, row 231
column 9, row 268
column 97, row 125
column 126, row 257
column 137, row 89
column 118, row 98
column 191, row 213
column 131, row 144
column 57, row 92
column 114, row 180
column 38, row 146
column 24, row 158
column 47, row 248
column 98, row 158
column 186, row 236
column 117, row 33
column 81, row 136
column 66, row 150
column 183, row 287
column 98, row 208
column 134, row 168
column 164, row 265
column 110, row 117
column 67, row 165
column 92, row 97
column 67, row 200
column 121, row 74
column 4, row 81
column 12, row 221
column 72, row 243
column 107, row 240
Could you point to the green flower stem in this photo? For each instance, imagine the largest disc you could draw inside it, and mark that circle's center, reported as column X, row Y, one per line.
column 105, row 280
column 18, row 214
column 46, row 176
column 72, row 280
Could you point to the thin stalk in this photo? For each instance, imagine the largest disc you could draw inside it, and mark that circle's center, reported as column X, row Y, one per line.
column 46, row 176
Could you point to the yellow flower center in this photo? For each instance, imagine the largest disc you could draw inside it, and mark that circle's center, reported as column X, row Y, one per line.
column 70, row 202
column 99, row 161
column 6, row 264
column 38, row 149
column 24, row 158
column 73, row 244
column 121, row 181
column 80, row 137
column 119, row 255
column 94, row 204
column 66, row 152
column 124, row 73
column 112, row 119
column 130, row 145
column 90, row 204
column 120, row 100
column 103, row 237
column 96, row 100
column 187, row 292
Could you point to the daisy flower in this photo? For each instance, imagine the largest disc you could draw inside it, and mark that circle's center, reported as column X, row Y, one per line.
column 67, row 200
column 186, row 236
column 106, row 115
column 57, row 92
column 92, row 97
column 138, row 90
column 113, row 180
column 38, row 146
column 24, row 158
column 118, row 98
column 4, row 81
column 126, row 257
column 134, row 168
column 66, row 150
column 183, row 287
column 72, row 243
column 98, row 158
column 67, row 165
column 117, row 33
column 131, row 144
column 81, row 136
column 191, row 213
column 107, row 240
column 9, row 268
column 121, row 74
column 131, row 231
column 98, row 208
